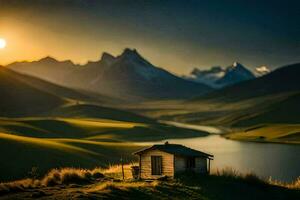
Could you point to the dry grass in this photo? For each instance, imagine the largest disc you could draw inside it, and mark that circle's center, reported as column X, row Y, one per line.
column 70, row 175
column 125, row 185
column 108, row 179
column 115, row 171
column 294, row 185
column 18, row 185
column 253, row 178
column 65, row 176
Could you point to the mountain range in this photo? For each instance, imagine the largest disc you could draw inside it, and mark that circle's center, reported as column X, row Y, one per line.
column 272, row 98
column 127, row 76
column 218, row 77
column 282, row 80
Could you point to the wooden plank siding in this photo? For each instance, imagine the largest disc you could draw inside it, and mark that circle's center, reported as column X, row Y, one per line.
column 145, row 164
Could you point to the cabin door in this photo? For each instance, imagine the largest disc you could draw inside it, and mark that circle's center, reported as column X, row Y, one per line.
column 156, row 165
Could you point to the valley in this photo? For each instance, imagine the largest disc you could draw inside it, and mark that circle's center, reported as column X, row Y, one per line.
column 75, row 127
column 74, row 142
column 133, row 99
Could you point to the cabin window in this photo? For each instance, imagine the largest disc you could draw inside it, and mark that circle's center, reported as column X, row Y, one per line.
column 190, row 163
column 156, row 165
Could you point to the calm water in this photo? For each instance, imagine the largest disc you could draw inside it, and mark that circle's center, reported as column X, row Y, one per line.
column 279, row 161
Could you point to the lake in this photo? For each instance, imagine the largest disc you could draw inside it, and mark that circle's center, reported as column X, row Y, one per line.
column 279, row 161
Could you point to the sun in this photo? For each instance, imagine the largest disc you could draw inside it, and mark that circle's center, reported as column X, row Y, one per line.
column 2, row 43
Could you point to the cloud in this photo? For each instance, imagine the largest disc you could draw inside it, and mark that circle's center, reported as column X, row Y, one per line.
column 262, row 69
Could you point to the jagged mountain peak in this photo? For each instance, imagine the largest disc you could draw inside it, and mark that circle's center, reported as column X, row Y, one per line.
column 131, row 54
column 219, row 77
column 107, row 58
column 131, row 57
column 239, row 68
column 236, row 66
column 48, row 59
column 128, row 51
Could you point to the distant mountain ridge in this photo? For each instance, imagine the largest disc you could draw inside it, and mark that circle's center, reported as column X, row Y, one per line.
column 219, row 77
column 128, row 76
column 282, row 80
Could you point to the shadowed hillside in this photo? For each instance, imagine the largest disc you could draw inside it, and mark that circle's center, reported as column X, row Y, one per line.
column 18, row 98
column 96, row 111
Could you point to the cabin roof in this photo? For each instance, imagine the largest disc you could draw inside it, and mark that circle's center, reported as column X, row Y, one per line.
column 176, row 149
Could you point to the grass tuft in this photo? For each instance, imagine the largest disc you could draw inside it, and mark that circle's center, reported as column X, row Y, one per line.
column 70, row 176
column 293, row 185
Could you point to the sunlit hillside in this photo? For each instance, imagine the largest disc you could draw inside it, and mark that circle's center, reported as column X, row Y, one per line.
column 49, row 142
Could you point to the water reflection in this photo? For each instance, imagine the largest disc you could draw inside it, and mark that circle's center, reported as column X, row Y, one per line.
column 279, row 161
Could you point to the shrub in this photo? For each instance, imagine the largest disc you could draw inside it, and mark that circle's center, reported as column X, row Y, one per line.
column 254, row 179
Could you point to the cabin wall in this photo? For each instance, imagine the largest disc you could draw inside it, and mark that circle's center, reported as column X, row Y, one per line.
column 201, row 165
column 180, row 164
column 167, row 164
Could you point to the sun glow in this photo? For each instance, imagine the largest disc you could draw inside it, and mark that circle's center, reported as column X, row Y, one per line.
column 2, row 43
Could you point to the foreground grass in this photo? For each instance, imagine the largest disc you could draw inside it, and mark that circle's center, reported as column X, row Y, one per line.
column 99, row 183
column 281, row 133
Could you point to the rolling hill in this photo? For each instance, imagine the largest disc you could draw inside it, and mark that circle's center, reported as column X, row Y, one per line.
column 64, row 127
column 19, row 98
column 73, row 142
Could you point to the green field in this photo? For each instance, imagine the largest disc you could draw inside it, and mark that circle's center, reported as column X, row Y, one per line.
column 51, row 142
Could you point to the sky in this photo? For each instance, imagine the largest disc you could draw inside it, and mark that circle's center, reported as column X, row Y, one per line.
column 172, row 34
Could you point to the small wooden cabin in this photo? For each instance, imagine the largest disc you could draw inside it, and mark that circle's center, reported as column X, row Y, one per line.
column 168, row 159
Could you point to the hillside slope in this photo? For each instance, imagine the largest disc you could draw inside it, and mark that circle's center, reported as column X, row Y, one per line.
column 285, row 111
column 74, row 142
column 19, row 98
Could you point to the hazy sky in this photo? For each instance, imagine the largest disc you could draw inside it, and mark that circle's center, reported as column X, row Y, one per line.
column 175, row 35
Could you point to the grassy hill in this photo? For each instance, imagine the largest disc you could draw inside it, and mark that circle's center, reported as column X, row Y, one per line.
column 97, row 111
column 281, row 133
column 220, row 113
column 276, row 110
column 19, row 98
column 26, row 95
column 52, row 142
column 284, row 111
column 46, row 126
